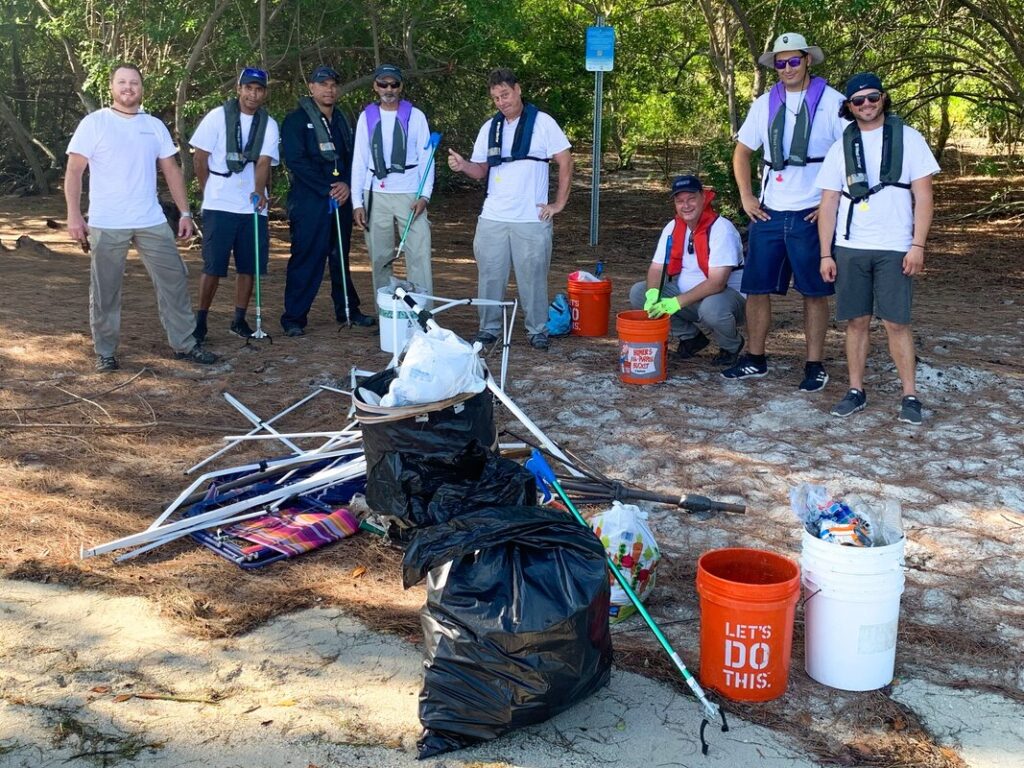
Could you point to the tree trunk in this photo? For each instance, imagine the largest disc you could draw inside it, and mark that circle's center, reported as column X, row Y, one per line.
column 24, row 141
column 945, row 128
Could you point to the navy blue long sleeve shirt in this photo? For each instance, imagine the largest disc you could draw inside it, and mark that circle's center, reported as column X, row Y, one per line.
column 310, row 174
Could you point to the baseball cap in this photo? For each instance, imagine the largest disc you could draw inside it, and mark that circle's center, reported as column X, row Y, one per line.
column 387, row 70
column 321, row 73
column 686, row 184
column 253, row 75
column 861, row 81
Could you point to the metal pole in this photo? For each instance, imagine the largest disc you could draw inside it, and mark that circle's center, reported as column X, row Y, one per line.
column 595, row 184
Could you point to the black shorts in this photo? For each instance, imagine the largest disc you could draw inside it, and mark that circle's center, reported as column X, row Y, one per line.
column 225, row 233
column 872, row 283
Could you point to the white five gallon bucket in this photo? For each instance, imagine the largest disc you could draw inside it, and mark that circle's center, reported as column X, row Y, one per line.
column 396, row 321
column 851, row 612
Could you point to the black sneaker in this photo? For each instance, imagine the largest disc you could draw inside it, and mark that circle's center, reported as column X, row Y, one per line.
column 540, row 341
column 910, row 411
column 198, row 355
column 746, row 368
column 724, row 358
column 357, row 318
column 240, row 328
column 293, row 330
column 485, row 338
column 107, row 364
column 854, row 401
column 815, row 378
column 690, row 347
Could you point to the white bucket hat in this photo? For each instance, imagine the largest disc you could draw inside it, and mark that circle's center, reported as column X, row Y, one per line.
column 791, row 41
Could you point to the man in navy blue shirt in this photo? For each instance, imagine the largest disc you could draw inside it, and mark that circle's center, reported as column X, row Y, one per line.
column 317, row 148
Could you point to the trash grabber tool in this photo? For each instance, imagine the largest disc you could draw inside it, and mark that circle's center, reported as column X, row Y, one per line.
column 432, row 142
column 691, row 502
column 542, row 471
column 259, row 333
column 341, row 256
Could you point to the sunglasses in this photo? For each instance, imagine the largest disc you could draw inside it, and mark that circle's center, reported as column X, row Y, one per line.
column 793, row 62
column 874, row 98
column 388, row 86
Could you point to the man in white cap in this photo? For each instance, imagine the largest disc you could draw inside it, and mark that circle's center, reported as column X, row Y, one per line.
column 794, row 123
column 388, row 163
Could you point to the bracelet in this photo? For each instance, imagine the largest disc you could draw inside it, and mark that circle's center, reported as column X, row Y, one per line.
column 830, row 256
column 917, row 245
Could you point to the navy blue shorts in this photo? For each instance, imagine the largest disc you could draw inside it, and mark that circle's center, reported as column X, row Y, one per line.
column 225, row 233
column 784, row 247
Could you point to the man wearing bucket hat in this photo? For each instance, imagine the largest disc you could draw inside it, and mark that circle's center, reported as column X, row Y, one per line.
column 317, row 145
column 704, row 262
column 794, row 123
column 388, row 165
column 511, row 156
column 235, row 146
column 876, row 184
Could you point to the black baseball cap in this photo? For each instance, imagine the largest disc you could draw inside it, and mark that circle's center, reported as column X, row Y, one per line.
column 321, row 73
column 862, row 80
column 686, row 184
column 387, row 70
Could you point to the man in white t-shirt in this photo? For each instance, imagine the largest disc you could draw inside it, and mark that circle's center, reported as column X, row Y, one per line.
column 389, row 163
column 511, row 155
column 235, row 147
column 122, row 146
column 876, row 184
column 702, row 255
column 795, row 123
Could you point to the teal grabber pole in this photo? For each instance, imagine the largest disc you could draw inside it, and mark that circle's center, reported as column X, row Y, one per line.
column 542, row 471
column 432, row 142
column 259, row 333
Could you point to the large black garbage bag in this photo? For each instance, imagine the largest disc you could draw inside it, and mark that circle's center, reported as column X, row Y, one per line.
column 408, row 460
column 515, row 625
column 501, row 483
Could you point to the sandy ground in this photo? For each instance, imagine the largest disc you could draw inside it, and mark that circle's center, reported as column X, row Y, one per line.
column 85, row 458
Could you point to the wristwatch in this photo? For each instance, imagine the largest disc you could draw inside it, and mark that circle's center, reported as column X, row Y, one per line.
column 186, row 214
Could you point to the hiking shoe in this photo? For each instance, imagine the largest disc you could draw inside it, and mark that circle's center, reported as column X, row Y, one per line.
column 854, row 401
column 815, row 378
column 540, row 341
column 485, row 338
column 199, row 332
column 198, row 355
column 355, row 317
column 724, row 358
column 240, row 328
column 294, row 330
column 107, row 364
column 690, row 347
column 910, row 410
column 746, row 368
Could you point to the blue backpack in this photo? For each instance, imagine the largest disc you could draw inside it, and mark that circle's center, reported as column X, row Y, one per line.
column 559, row 316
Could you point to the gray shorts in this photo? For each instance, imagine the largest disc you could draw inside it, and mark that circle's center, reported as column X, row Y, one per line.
column 872, row 283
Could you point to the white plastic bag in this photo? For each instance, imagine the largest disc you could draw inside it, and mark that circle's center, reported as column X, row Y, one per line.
column 437, row 365
column 628, row 540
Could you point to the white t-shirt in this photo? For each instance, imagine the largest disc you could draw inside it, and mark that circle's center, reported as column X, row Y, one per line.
column 231, row 194
column 726, row 250
column 516, row 190
column 792, row 188
column 122, row 154
column 888, row 222
column 416, row 152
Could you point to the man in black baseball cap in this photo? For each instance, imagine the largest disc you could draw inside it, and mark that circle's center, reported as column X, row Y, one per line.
column 702, row 253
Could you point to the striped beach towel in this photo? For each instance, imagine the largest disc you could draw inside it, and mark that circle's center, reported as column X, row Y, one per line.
column 294, row 531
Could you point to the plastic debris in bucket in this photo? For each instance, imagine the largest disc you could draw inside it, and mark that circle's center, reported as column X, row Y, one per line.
column 747, row 603
column 642, row 347
column 397, row 321
column 590, row 304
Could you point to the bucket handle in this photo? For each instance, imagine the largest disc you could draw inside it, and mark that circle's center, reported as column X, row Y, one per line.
column 806, row 600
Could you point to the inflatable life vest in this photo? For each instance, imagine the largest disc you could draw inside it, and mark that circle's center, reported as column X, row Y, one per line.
column 399, row 141
column 520, row 142
column 700, row 241
column 801, row 130
column 856, row 171
column 322, row 128
column 237, row 154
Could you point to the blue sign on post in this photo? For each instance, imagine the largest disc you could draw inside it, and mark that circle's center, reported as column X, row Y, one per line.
column 600, row 49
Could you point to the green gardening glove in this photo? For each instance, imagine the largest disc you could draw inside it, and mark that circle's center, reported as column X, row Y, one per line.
column 664, row 307
column 652, row 297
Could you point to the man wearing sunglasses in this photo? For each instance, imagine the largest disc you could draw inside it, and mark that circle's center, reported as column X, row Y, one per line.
column 876, row 185
column 795, row 123
column 702, row 254
column 389, row 162
column 235, row 146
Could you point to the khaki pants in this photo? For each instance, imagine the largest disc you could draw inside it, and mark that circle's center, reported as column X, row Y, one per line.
column 388, row 210
column 159, row 254
column 526, row 246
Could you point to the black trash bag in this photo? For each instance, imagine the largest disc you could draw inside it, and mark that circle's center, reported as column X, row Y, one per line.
column 515, row 625
column 501, row 483
column 408, row 460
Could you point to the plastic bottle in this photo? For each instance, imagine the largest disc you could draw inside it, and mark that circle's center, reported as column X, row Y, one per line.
column 891, row 521
column 860, row 509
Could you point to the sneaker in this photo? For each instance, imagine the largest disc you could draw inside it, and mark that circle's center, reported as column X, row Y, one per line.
column 540, row 341
column 240, row 328
column 746, row 368
column 294, row 330
column 485, row 338
column 724, row 358
column 910, row 410
column 815, row 378
column 690, row 347
column 854, row 401
column 198, row 355
column 107, row 364
column 357, row 318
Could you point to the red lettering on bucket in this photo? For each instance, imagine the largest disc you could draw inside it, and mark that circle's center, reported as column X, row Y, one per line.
column 641, row 360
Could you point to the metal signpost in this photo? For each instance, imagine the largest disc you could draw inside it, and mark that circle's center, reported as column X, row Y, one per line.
column 600, row 59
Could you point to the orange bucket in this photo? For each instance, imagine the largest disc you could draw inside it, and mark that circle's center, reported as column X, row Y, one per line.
column 747, row 601
column 642, row 347
column 589, row 304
